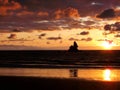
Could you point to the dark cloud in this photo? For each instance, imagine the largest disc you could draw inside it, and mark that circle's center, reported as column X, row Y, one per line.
column 25, row 13
column 29, row 25
column 89, row 22
column 42, row 35
column 67, row 12
column 7, row 7
column 109, row 13
column 84, row 33
column 42, row 4
column 84, row 7
column 107, row 27
column 117, row 35
column 73, row 39
column 54, row 38
column 16, row 30
column 86, row 39
column 112, row 27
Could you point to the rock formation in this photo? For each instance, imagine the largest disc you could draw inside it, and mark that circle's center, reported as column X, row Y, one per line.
column 74, row 47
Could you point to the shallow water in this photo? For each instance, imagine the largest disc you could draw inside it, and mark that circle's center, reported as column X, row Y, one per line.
column 77, row 73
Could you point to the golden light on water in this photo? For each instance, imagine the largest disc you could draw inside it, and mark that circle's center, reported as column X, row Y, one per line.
column 107, row 75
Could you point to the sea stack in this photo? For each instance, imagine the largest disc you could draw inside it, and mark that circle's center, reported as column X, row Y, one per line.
column 74, row 47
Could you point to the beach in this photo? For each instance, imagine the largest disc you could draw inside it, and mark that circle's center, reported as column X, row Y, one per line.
column 35, row 83
column 59, row 79
column 59, row 70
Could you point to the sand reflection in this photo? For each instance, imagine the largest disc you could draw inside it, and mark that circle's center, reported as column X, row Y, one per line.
column 107, row 75
column 111, row 75
column 78, row 73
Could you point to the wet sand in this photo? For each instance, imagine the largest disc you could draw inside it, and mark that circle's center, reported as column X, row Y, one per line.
column 38, row 83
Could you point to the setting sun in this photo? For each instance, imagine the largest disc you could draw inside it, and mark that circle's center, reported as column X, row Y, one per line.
column 108, row 44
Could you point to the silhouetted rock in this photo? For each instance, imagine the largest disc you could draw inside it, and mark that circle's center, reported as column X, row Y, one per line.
column 74, row 47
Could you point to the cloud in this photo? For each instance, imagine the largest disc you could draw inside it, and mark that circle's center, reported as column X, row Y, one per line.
column 117, row 35
column 16, row 30
column 106, row 40
column 68, row 12
column 84, row 33
column 89, row 22
column 42, row 35
column 47, row 42
column 83, row 39
column 97, row 3
column 112, row 27
column 35, row 5
column 24, row 13
column 42, row 13
column 18, row 47
column 84, row 7
column 12, row 36
column 101, row 40
column 73, row 39
column 54, row 38
column 107, row 27
column 86, row 39
column 109, row 13
column 7, row 6
column 107, row 33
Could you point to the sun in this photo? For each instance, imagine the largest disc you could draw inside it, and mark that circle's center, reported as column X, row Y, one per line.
column 108, row 44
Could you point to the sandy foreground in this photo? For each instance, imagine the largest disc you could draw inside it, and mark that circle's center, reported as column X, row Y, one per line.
column 38, row 83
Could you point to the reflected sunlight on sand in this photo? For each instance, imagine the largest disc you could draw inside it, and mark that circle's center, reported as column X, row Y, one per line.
column 87, row 74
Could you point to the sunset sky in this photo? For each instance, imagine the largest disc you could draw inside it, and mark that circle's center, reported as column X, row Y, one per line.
column 56, row 24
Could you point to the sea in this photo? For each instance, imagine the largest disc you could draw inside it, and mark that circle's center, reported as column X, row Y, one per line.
column 60, row 58
column 84, row 64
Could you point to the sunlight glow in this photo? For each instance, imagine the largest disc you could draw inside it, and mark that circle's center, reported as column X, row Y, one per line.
column 108, row 44
column 107, row 75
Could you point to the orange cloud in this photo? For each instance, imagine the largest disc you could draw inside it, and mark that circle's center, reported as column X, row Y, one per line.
column 4, row 2
column 7, row 6
column 58, row 14
column 30, row 13
column 68, row 12
column 25, row 13
column 117, row 11
column 43, row 14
